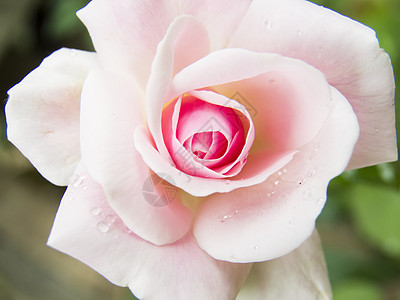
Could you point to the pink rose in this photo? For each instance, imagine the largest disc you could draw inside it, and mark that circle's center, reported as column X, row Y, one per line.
column 200, row 138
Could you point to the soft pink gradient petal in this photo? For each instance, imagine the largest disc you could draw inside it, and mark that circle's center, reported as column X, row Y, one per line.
column 125, row 33
column 185, row 42
column 89, row 230
column 111, row 110
column 254, row 171
column 43, row 113
column 346, row 51
column 292, row 97
column 271, row 219
column 301, row 274
column 221, row 18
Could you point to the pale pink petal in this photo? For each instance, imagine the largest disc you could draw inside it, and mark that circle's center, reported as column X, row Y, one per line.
column 271, row 219
column 291, row 96
column 257, row 169
column 221, row 18
column 43, row 113
column 125, row 33
column 185, row 42
column 111, row 110
column 89, row 230
column 348, row 54
column 301, row 275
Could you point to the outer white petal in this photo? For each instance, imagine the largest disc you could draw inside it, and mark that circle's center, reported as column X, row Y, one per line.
column 346, row 51
column 43, row 113
column 89, row 230
column 299, row 275
column 273, row 218
column 110, row 112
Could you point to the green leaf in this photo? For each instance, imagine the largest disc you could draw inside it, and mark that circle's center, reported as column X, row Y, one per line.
column 376, row 212
column 357, row 289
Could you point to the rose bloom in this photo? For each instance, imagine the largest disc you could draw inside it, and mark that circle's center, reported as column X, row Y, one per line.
column 198, row 141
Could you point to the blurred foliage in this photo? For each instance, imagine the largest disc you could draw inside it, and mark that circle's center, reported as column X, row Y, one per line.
column 360, row 225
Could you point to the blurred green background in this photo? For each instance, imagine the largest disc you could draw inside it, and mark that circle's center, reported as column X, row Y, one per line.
column 360, row 225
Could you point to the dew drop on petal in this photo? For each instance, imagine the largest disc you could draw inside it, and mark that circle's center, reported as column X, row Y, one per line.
column 227, row 216
column 307, row 194
column 95, row 211
column 76, row 180
column 256, row 247
column 103, row 227
column 268, row 24
column 227, row 182
column 110, row 219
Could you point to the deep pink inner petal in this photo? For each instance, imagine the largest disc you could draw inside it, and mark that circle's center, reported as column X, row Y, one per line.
column 206, row 138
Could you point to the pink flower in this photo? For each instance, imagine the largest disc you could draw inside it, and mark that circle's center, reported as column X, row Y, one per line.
column 200, row 138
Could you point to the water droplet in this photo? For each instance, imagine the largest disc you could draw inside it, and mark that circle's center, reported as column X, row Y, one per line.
column 279, row 173
column 110, row 219
column 299, row 33
column 256, row 247
column 320, row 201
column 272, row 82
column 276, row 182
column 268, row 24
column 284, row 171
column 376, row 128
column 103, row 227
column 307, row 194
column 227, row 216
column 76, row 180
column 127, row 230
column 291, row 223
column 95, row 211
column 114, row 116
column 85, row 188
column 233, row 257
column 227, row 182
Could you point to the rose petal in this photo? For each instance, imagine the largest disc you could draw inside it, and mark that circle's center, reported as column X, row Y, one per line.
column 271, row 219
column 110, row 112
column 206, row 111
column 346, row 51
column 253, row 173
column 292, row 97
column 126, row 33
column 43, row 113
column 301, row 274
column 185, row 42
column 88, row 229
column 221, row 18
